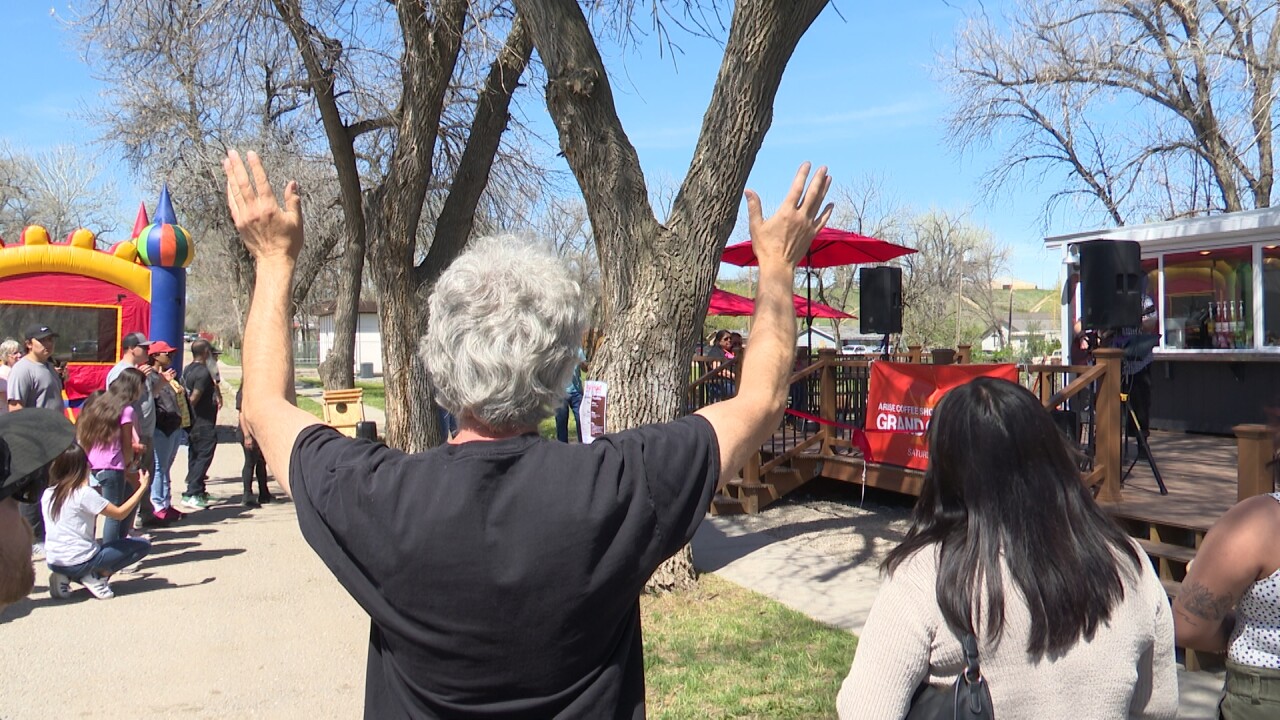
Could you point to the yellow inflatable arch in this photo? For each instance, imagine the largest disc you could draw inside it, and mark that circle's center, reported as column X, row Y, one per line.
column 118, row 269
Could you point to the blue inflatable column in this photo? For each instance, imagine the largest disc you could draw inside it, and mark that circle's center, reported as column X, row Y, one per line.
column 169, row 307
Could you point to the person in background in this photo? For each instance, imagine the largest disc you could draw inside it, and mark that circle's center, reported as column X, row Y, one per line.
column 1007, row 546
column 172, row 417
column 1230, row 603
column 71, row 509
column 35, row 380
column 106, row 431
column 135, row 353
column 572, row 401
column 10, row 353
column 254, row 463
column 202, row 438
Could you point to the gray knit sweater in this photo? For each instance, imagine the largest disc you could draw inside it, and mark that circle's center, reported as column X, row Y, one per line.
column 1126, row 670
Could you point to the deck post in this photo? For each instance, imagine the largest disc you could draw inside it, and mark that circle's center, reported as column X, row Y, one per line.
column 913, row 353
column 1044, row 382
column 1108, row 419
column 827, row 393
column 964, row 354
column 1257, row 448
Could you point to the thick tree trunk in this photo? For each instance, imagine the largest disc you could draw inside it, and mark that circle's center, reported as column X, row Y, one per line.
column 337, row 371
column 401, row 310
column 656, row 280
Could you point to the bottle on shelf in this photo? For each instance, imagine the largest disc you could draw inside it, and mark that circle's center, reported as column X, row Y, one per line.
column 1211, row 334
column 1231, row 324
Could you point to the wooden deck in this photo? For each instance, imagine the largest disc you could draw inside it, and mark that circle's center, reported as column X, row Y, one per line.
column 1200, row 472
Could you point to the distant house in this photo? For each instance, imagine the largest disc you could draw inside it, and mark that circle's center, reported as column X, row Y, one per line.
column 1026, row 327
column 368, row 348
column 822, row 339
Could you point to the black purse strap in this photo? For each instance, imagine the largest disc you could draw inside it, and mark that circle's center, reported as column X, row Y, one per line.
column 973, row 698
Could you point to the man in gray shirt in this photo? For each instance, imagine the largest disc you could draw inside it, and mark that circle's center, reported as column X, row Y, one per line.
column 34, row 381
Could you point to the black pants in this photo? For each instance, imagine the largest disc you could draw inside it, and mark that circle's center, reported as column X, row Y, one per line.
column 31, row 511
column 254, row 463
column 1140, row 401
column 202, row 440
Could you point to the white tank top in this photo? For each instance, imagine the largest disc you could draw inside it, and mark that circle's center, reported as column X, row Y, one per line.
column 1256, row 639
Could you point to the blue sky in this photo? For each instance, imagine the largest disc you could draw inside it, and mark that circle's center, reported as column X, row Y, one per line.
column 859, row 96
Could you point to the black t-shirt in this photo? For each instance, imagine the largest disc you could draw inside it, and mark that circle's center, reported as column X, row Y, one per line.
column 195, row 377
column 503, row 577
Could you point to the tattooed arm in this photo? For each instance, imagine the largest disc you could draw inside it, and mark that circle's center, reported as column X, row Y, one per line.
column 1232, row 557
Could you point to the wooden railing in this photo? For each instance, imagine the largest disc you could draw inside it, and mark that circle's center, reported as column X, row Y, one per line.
column 1082, row 386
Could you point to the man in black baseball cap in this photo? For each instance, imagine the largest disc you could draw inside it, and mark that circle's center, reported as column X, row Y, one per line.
column 29, row 440
column 38, row 331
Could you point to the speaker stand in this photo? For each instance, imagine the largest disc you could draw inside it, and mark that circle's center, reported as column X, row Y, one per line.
column 1144, row 448
column 884, row 347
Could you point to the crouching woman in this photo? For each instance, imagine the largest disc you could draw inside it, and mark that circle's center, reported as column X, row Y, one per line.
column 71, row 509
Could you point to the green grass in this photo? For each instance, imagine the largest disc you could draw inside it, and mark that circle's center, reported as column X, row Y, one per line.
column 375, row 393
column 721, row 651
column 311, row 406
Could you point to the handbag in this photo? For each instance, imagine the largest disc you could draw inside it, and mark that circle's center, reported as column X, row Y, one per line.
column 968, row 699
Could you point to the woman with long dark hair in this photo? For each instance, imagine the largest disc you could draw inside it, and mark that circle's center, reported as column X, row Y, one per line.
column 105, row 431
column 1006, row 544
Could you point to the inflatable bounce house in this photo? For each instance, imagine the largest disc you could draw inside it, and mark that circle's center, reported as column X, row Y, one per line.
column 93, row 298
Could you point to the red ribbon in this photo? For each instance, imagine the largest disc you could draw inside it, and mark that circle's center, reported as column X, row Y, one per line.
column 857, row 435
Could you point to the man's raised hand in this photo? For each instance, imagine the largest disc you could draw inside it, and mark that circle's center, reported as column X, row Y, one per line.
column 785, row 237
column 268, row 230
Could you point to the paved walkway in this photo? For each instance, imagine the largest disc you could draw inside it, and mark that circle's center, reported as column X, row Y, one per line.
column 798, row 573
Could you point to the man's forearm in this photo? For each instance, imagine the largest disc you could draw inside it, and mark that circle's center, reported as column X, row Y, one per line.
column 268, row 352
column 767, row 364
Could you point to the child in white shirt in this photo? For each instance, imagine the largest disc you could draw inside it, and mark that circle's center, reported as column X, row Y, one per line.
column 71, row 508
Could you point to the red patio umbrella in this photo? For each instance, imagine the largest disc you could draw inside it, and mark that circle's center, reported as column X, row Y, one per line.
column 726, row 303
column 830, row 248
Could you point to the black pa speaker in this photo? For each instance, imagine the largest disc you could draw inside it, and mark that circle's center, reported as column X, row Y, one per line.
column 1110, row 284
column 880, row 302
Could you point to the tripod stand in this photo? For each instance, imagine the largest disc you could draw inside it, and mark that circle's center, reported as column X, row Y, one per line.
column 1128, row 414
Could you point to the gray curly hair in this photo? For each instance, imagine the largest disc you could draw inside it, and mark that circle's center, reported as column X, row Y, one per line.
column 506, row 322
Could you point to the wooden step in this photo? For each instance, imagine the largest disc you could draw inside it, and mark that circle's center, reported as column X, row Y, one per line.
column 725, row 505
column 1168, row 551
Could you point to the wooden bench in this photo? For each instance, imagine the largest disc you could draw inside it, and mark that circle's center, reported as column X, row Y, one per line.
column 344, row 409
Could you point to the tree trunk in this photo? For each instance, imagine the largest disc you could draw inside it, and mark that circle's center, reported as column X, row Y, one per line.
column 338, row 369
column 414, row 425
column 656, row 280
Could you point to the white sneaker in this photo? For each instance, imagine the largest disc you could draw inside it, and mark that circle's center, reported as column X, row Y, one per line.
column 98, row 586
column 37, row 550
column 139, row 535
column 131, row 569
column 59, row 586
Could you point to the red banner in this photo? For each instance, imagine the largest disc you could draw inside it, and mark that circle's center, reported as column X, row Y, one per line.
column 900, row 403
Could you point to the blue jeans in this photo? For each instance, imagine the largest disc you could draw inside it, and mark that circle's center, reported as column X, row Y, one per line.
column 112, row 486
column 111, row 558
column 166, row 450
column 572, row 401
